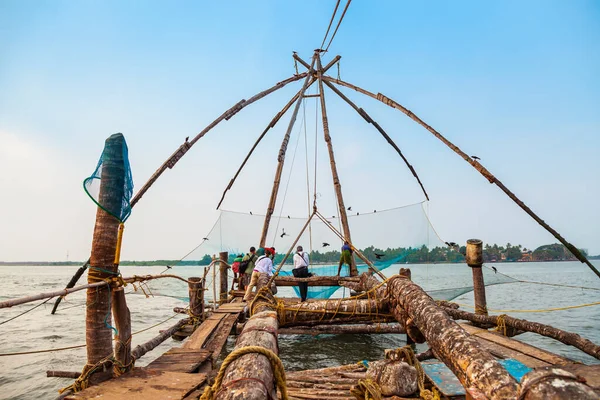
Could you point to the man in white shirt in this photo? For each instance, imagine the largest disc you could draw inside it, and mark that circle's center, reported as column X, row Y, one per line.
column 263, row 265
column 301, row 271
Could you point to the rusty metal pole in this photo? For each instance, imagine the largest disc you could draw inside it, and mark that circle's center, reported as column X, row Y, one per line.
column 223, row 256
column 474, row 258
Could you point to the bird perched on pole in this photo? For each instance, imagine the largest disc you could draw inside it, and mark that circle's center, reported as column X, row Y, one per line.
column 475, row 158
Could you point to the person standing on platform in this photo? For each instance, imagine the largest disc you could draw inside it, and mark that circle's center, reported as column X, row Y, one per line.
column 247, row 267
column 263, row 265
column 301, row 271
column 346, row 257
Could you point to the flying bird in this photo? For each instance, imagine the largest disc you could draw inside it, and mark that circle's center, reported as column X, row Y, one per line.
column 333, row 216
column 250, row 212
column 374, row 211
column 283, row 233
column 350, row 208
column 204, row 238
column 495, row 270
column 325, row 244
column 451, row 244
column 169, row 267
column 378, row 256
column 288, row 217
column 475, row 158
column 357, row 213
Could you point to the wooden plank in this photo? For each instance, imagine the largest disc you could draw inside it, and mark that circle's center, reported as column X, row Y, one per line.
column 180, row 360
column 217, row 341
column 234, row 308
column 144, row 384
column 504, row 352
column 517, row 345
column 203, row 332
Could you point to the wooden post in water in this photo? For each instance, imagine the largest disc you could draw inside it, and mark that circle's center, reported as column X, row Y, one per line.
column 223, row 256
column 196, row 292
column 123, row 325
column 98, row 334
column 474, row 258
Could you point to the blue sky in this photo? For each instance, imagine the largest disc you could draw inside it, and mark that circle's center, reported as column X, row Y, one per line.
column 515, row 83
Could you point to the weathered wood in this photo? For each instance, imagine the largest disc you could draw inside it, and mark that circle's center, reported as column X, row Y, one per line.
column 474, row 259
column 62, row 374
column 144, row 384
column 176, row 156
column 555, row 384
column 474, row 163
column 342, row 329
column 336, row 180
column 326, row 310
column 71, row 283
column 451, row 344
column 123, row 325
column 281, row 157
column 223, row 267
column 216, row 342
column 316, row 280
column 196, row 292
column 143, row 348
column 201, row 335
column 181, row 360
column 569, row 338
column 260, row 330
column 98, row 335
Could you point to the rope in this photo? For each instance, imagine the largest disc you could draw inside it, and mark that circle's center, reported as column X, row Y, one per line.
column 537, row 311
column 276, row 364
column 25, row 312
column 501, row 324
column 367, row 389
column 330, row 22
column 407, row 354
column 338, row 25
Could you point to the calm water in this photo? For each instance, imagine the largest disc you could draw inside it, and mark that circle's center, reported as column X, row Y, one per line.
column 24, row 377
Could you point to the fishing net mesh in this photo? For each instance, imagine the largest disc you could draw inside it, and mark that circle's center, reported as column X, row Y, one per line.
column 389, row 238
column 110, row 186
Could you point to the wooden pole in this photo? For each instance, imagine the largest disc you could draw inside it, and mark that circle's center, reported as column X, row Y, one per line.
column 281, row 157
column 151, row 344
column 569, row 338
column 104, row 245
column 474, row 258
column 336, row 180
column 370, row 120
column 224, row 257
column 251, row 376
column 196, row 292
column 123, row 325
column 326, row 310
column 556, row 384
column 471, row 364
column 474, row 163
column 342, row 329
column 316, row 280
column 214, row 283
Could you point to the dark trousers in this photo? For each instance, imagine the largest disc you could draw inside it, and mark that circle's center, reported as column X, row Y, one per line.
column 302, row 272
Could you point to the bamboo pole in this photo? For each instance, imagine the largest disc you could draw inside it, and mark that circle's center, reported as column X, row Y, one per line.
column 71, row 283
column 472, row 365
column 123, row 325
column 104, row 246
column 151, row 344
column 223, row 266
column 315, row 280
column 568, row 338
column 180, row 152
column 474, row 163
column 281, row 157
column 342, row 329
column 474, row 259
column 368, row 118
column 336, row 180
column 272, row 124
column 62, row 374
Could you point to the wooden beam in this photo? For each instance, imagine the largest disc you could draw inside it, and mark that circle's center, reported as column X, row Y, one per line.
column 316, row 280
column 343, row 329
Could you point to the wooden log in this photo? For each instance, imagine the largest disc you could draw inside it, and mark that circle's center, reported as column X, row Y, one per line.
column 342, row 329
column 62, row 374
column 474, row 259
column 176, row 156
column 196, row 293
column 281, row 158
column 556, row 384
column 569, row 338
column 223, row 256
column 123, row 325
column 343, row 320
column 474, row 163
column 251, row 376
column 316, row 280
column 336, row 179
column 143, row 348
column 104, row 245
column 71, row 283
column 451, row 344
column 327, row 310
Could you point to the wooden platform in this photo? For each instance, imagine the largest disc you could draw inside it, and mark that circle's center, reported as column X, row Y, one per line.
column 144, row 384
column 181, row 360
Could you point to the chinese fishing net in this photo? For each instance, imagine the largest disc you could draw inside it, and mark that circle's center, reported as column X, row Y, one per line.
column 110, row 186
column 390, row 239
